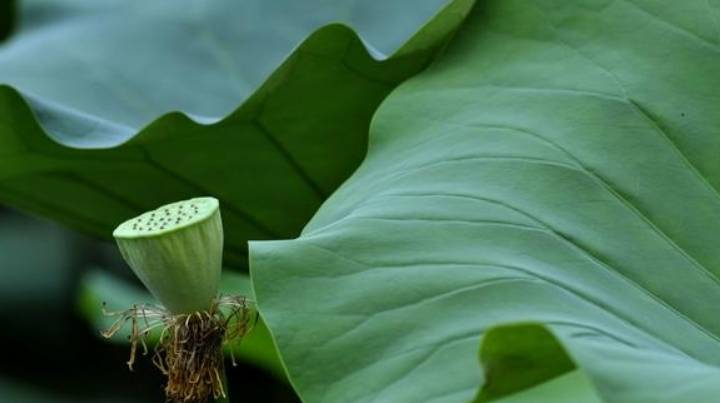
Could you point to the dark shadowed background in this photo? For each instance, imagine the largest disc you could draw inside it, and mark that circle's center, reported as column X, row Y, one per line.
column 50, row 354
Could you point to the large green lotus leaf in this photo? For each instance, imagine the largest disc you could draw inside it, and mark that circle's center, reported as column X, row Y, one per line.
column 559, row 165
column 89, row 129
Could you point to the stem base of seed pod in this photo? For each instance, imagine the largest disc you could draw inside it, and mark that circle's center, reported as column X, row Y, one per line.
column 189, row 350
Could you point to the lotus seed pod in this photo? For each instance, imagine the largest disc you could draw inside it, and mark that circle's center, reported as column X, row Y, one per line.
column 176, row 251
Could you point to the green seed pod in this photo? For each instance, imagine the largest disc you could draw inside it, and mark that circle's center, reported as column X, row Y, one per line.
column 176, row 251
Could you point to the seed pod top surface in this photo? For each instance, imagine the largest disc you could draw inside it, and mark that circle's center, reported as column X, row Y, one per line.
column 168, row 218
column 176, row 251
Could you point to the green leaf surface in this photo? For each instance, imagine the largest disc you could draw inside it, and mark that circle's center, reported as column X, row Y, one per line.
column 111, row 108
column 98, row 286
column 558, row 166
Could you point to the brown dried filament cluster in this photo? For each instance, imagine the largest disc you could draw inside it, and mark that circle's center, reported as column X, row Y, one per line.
column 189, row 349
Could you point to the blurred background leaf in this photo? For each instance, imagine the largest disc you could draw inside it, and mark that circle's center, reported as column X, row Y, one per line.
column 88, row 135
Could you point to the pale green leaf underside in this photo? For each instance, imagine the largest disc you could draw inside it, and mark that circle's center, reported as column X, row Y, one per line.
column 572, row 387
column 85, row 82
column 559, row 166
